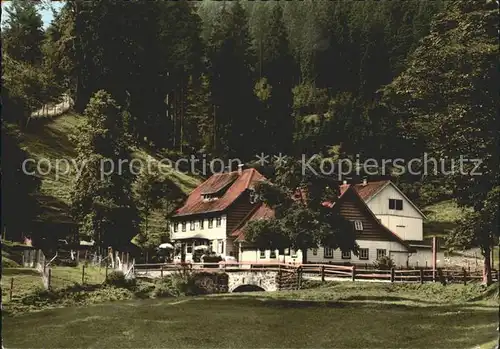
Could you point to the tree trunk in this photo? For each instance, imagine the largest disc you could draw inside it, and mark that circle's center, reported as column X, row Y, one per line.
column 487, row 265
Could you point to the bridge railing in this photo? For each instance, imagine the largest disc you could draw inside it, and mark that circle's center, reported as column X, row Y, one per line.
column 323, row 271
column 215, row 267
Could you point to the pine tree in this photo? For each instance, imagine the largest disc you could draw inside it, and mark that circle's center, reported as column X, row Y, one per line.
column 448, row 98
column 230, row 60
column 22, row 34
column 102, row 200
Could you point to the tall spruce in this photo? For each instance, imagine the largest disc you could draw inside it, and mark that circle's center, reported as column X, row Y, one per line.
column 102, row 199
column 231, row 59
column 22, row 34
column 448, row 98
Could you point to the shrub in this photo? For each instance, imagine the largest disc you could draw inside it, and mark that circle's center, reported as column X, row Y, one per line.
column 116, row 278
column 166, row 287
column 384, row 263
column 144, row 289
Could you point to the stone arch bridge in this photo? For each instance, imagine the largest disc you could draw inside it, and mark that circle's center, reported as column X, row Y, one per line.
column 239, row 279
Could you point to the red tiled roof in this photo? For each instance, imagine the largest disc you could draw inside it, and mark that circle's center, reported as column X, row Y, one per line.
column 260, row 212
column 264, row 211
column 367, row 191
column 241, row 181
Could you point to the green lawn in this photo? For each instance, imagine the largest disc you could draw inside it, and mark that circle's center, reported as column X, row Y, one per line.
column 68, row 276
column 25, row 281
column 345, row 315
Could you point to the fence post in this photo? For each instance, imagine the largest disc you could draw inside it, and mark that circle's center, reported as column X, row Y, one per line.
column 421, row 275
column 83, row 274
column 49, row 279
column 322, row 273
column 11, row 287
column 161, row 271
column 106, row 273
column 353, row 273
column 298, row 277
column 392, row 274
column 465, row 276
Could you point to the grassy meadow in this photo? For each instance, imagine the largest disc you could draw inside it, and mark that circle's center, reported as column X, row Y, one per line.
column 337, row 315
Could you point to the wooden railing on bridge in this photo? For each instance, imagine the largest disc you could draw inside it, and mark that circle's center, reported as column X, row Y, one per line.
column 325, row 271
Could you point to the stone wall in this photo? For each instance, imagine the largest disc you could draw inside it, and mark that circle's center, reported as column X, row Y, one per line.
column 264, row 279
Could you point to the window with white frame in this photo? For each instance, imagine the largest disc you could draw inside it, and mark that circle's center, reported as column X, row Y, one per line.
column 183, row 226
column 364, row 253
column 328, row 252
column 346, row 254
column 395, row 204
column 176, row 227
column 273, row 254
column 201, row 223
column 315, row 251
column 210, row 223
column 262, row 254
column 381, row 253
column 191, row 225
column 220, row 247
column 358, row 225
column 218, row 221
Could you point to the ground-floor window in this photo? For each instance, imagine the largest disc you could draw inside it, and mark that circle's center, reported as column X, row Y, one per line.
column 262, row 254
column 189, row 248
column 381, row 253
column 328, row 252
column 346, row 254
column 273, row 254
column 364, row 253
column 315, row 251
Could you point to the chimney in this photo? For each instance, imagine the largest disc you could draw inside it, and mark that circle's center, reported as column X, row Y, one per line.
column 364, row 181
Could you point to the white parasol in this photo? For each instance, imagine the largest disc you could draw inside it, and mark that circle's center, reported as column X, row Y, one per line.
column 166, row 245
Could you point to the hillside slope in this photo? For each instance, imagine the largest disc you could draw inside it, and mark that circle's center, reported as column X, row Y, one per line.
column 442, row 217
column 51, row 140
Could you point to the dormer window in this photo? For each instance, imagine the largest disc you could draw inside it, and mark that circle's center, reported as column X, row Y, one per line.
column 209, row 197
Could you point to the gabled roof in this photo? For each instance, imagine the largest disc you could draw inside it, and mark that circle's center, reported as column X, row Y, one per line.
column 389, row 232
column 261, row 211
column 368, row 191
column 236, row 182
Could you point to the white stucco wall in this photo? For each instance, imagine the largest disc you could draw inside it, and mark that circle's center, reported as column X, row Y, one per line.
column 395, row 250
column 205, row 233
column 407, row 228
column 406, row 223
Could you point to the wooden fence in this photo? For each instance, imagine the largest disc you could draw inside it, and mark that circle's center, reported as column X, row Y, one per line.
column 325, row 271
